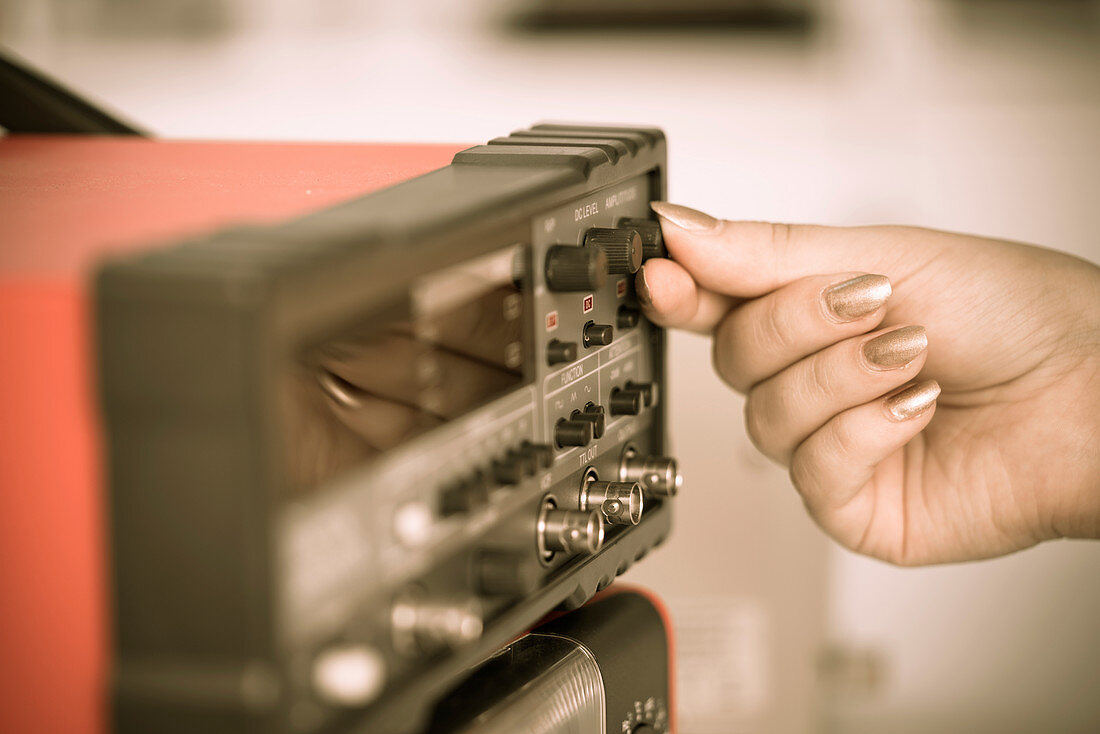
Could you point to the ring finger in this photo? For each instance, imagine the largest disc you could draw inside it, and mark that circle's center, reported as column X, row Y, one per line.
column 783, row 410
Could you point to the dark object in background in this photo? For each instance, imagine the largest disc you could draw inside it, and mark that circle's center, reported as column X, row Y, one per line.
column 32, row 103
column 580, row 15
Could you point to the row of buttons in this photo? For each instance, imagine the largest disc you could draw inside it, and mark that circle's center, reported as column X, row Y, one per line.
column 582, row 426
column 472, row 492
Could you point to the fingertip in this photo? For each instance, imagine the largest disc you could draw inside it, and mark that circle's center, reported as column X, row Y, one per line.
column 666, row 290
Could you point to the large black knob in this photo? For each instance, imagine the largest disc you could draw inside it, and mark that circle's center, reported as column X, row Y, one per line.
column 570, row 268
column 622, row 245
column 653, row 245
column 573, row 433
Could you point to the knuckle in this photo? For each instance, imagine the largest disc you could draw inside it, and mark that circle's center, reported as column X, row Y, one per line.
column 821, row 376
column 777, row 326
column 843, row 441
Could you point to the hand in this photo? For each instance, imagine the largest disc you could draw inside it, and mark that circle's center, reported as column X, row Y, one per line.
column 936, row 396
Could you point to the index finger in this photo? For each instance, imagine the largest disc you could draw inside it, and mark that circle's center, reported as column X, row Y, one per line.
column 749, row 259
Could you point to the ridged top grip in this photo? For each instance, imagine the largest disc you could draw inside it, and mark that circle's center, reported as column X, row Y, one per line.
column 622, row 245
column 571, row 268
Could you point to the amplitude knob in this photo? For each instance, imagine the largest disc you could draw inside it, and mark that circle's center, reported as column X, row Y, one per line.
column 571, row 268
column 653, row 245
column 622, row 245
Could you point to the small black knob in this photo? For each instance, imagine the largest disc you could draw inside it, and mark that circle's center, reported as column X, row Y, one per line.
column 627, row 317
column 647, row 389
column 573, row 432
column 541, row 454
column 571, row 268
column 653, row 244
column 559, row 351
column 597, row 335
column 465, row 495
column 622, row 245
column 625, row 402
column 594, row 414
column 512, row 468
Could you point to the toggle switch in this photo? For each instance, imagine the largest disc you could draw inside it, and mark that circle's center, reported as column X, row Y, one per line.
column 597, row 335
column 620, row 502
column 573, row 432
column 594, row 414
column 622, row 245
column 572, row 268
column 558, row 352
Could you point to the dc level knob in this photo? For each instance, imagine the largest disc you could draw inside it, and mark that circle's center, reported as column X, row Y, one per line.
column 622, row 245
column 571, row 268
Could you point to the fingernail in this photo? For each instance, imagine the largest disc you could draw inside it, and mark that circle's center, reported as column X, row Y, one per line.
column 857, row 297
column 691, row 220
column 641, row 286
column 896, row 348
column 913, row 400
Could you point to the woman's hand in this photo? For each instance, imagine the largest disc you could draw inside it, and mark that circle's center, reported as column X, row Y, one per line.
column 936, row 396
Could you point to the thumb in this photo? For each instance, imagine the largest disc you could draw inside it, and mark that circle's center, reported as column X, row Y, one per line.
column 749, row 259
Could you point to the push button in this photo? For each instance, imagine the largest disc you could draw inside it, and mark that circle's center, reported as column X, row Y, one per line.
column 594, row 414
column 625, row 402
column 573, row 432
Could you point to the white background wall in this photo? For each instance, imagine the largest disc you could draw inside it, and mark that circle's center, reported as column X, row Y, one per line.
column 970, row 116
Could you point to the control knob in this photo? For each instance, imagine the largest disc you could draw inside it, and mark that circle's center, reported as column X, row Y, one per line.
column 625, row 402
column 622, row 245
column 598, row 335
column 572, row 268
column 595, row 415
column 574, row 432
column 653, row 244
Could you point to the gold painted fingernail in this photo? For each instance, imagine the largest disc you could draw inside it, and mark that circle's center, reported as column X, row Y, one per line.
column 857, row 297
column 691, row 220
column 641, row 286
column 913, row 400
column 895, row 348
